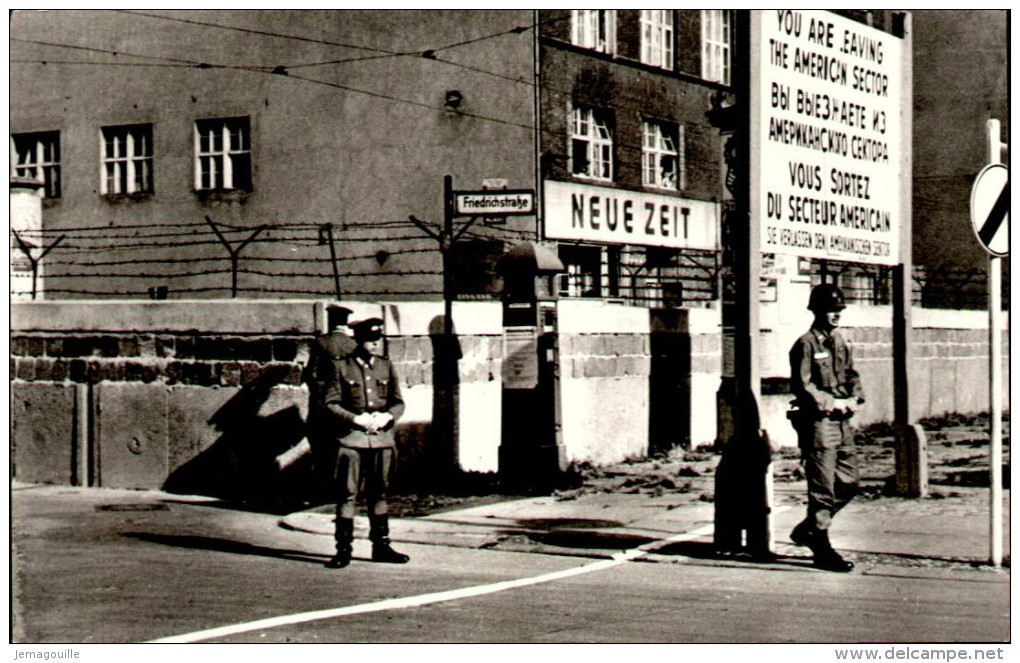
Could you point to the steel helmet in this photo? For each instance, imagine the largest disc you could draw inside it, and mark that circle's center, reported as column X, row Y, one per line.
column 826, row 298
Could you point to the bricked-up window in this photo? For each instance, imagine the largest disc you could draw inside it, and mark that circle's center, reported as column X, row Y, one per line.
column 591, row 143
column 223, row 154
column 657, row 37
column 127, row 159
column 716, row 37
column 662, row 149
column 37, row 156
column 594, row 29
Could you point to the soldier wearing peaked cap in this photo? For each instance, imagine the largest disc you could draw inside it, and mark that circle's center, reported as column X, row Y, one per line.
column 363, row 401
column 335, row 344
column 828, row 392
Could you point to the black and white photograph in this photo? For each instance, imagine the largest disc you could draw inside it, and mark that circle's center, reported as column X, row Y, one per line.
column 419, row 328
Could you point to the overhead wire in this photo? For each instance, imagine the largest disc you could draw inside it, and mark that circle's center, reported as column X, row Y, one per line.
column 276, row 69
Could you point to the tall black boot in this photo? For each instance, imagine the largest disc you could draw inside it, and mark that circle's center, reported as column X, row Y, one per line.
column 344, row 544
column 825, row 557
column 379, row 533
column 803, row 533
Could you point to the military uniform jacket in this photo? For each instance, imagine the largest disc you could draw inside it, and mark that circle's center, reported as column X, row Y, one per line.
column 354, row 386
column 822, row 370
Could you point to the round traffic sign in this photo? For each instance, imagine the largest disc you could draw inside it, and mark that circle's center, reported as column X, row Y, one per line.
column 989, row 209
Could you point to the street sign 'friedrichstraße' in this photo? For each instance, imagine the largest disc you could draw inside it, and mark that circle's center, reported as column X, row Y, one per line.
column 826, row 135
column 494, row 202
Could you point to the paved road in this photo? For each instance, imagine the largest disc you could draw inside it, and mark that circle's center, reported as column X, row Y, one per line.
column 121, row 566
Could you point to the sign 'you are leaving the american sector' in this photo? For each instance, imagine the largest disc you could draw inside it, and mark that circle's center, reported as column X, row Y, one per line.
column 828, row 137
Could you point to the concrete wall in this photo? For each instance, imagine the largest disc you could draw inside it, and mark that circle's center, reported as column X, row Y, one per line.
column 704, row 327
column 201, row 396
column 950, row 368
column 604, row 369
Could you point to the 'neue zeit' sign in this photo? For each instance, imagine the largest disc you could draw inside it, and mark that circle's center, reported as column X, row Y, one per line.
column 620, row 216
column 827, row 137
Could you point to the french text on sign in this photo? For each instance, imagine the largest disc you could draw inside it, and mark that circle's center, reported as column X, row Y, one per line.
column 827, row 99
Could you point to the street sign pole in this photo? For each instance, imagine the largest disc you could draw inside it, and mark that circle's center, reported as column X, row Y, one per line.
column 995, row 374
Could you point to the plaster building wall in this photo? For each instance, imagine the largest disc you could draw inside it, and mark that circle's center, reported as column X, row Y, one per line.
column 960, row 82
column 352, row 130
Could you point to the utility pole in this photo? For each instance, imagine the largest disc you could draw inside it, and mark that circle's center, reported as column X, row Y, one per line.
column 744, row 482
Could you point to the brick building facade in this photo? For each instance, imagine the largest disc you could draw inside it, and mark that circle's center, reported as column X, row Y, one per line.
column 292, row 129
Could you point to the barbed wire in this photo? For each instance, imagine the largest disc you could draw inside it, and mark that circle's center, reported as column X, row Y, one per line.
column 410, row 264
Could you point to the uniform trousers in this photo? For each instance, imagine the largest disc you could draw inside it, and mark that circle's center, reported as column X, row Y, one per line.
column 362, row 470
column 830, row 462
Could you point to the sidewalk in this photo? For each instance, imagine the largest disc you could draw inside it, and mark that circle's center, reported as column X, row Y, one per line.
column 947, row 531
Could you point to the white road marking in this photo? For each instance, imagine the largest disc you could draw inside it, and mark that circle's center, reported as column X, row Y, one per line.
column 439, row 597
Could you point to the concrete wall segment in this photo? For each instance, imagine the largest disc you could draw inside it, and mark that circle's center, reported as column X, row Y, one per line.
column 236, row 316
column 576, row 316
column 42, row 431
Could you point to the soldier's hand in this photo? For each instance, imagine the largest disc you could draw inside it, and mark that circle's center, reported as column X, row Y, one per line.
column 382, row 420
column 364, row 421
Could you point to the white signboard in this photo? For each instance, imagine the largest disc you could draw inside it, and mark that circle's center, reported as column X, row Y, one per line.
column 826, row 136
column 494, row 202
column 617, row 216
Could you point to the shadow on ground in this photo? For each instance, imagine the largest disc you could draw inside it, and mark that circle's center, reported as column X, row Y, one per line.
column 226, row 546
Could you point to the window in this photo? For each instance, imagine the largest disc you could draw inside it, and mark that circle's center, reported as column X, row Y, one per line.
column 657, row 37
column 591, row 150
column 661, row 148
column 715, row 45
column 583, row 271
column 127, row 159
column 595, row 29
column 37, row 156
column 223, row 154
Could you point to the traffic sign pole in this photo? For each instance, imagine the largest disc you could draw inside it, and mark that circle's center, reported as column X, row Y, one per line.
column 995, row 373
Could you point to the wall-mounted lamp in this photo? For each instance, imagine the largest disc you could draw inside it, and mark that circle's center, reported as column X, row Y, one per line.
column 454, row 99
column 381, row 257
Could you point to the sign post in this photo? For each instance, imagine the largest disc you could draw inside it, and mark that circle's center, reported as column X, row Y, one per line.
column 989, row 215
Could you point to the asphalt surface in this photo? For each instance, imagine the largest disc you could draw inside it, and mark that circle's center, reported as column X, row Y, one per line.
column 93, row 565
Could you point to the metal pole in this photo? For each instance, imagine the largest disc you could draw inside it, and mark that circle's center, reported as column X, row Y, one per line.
column 445, row 245
column 995, row 398
column 995, row 381
column 332, row 260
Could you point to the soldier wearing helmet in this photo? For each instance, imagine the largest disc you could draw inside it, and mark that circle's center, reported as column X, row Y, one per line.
column 828, row 392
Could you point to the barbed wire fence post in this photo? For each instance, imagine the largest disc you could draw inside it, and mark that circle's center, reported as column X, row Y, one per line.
column 33, row 260
column 326, row 235
column 234, row 252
